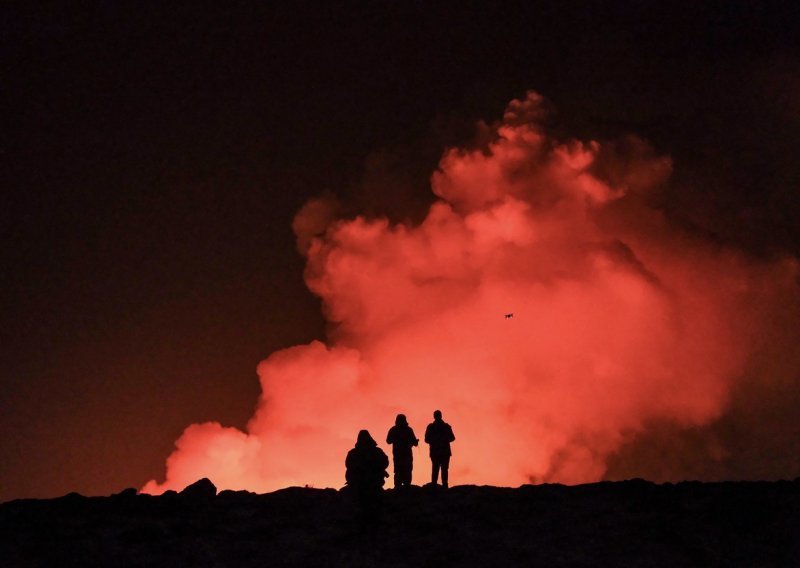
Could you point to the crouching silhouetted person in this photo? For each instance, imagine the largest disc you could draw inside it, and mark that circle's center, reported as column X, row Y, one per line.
column 438, row 435
column 402, row 439
column 365, row 473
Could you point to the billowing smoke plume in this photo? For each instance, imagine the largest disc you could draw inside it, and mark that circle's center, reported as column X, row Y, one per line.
column 618, row 320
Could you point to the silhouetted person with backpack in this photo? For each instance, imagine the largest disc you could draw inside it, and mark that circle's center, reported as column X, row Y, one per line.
column 438, row 435
column 365, row 473
column 402, row 439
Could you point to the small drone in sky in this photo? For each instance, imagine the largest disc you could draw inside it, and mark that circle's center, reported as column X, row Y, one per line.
column 508, row 316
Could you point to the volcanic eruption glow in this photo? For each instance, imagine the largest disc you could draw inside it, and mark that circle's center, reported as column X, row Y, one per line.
column 620, row 319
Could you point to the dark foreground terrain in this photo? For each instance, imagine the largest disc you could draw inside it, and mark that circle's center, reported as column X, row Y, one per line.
column 630, row 523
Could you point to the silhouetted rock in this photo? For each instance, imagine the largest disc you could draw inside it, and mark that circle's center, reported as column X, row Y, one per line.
column 71, row 497
column 127, row 493
column 630, row 523
column 200, row 489
column 235, row 493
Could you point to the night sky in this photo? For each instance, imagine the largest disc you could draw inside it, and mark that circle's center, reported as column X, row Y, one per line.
column 153, row 158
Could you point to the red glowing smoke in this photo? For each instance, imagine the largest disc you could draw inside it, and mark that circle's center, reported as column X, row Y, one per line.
column 620, row 320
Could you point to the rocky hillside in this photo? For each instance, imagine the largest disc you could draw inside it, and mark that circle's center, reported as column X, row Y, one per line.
column 630, row 523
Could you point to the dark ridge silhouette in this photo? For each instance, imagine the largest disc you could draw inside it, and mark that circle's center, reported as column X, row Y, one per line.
column 628, row 523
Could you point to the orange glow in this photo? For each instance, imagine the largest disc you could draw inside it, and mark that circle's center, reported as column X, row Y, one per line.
column 620, row 319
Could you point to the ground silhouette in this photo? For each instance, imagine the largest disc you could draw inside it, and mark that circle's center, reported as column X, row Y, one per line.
column 628, row 523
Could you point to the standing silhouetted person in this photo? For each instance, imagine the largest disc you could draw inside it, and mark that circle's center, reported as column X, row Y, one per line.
column 402, row 439
column 438, row 435
column 365, row 473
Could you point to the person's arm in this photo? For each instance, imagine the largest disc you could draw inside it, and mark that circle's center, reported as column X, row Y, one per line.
column 452, row 436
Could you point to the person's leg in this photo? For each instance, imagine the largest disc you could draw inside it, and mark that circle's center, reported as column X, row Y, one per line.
column 401, row 472
column 445, row 467
column 434, row 470
column 405, row 473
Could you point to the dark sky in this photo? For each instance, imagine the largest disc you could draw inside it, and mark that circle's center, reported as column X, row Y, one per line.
column 153, row 158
